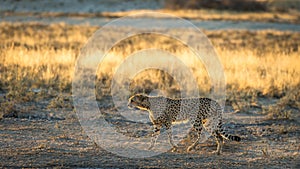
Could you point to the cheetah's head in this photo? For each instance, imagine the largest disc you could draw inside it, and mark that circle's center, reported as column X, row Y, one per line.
column 139, row 101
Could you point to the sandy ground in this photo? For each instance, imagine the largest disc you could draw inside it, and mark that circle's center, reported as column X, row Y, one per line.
column 47, row 137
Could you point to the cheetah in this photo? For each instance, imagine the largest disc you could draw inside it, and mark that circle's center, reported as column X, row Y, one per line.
column 203, row 113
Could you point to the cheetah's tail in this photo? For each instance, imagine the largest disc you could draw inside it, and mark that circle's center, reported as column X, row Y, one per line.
column 228, row 136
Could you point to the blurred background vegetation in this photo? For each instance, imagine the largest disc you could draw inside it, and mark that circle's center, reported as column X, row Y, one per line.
column 236, row 5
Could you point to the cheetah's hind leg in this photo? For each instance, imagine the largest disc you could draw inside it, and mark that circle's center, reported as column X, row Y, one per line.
column 212, row 126
column 199, row 134
column 219, row 140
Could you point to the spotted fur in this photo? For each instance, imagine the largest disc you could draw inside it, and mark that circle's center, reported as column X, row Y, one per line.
column 203, row 113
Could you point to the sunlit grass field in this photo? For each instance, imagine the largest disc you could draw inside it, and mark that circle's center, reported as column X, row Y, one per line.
column 36, row 57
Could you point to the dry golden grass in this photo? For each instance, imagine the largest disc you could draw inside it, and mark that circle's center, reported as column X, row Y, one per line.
column 272, row 71
column 40, row 56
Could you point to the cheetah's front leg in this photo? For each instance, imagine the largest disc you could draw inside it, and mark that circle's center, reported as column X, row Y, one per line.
column 154, row 136
column 170, row 136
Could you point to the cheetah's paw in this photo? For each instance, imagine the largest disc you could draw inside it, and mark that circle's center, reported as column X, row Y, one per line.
column 190, row 148
column 174, row 148
column 150, row 147
column 216, row 152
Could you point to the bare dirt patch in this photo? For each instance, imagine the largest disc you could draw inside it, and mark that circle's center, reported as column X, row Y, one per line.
column 60, row 142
